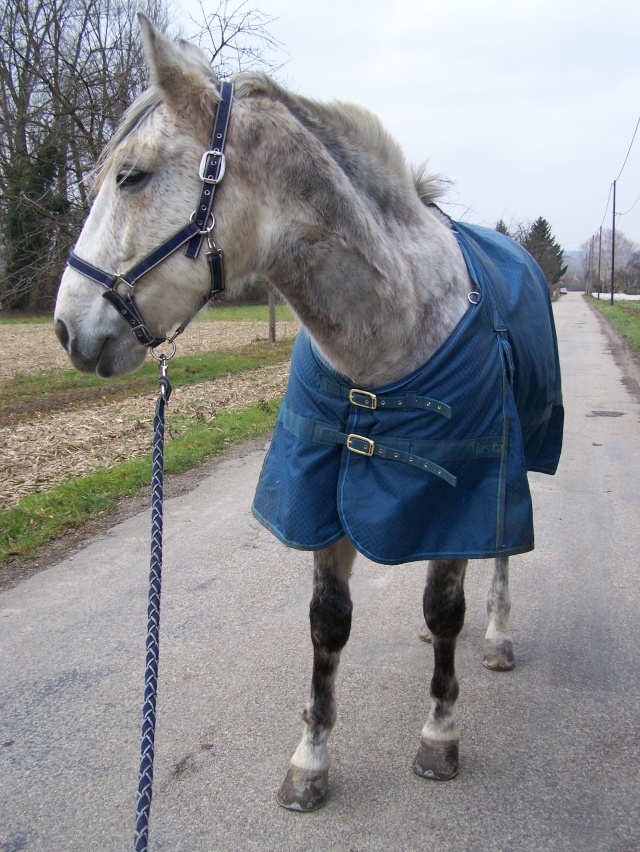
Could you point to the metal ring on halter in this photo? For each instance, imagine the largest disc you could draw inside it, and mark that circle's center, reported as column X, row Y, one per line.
column 211, row 223
column 162, row 356
column 120, row 279
column 474, row 297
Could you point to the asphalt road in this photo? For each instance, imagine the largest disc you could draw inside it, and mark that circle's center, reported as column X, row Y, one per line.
column 549, row 753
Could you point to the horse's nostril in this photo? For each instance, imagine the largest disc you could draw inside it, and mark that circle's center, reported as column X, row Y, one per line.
column 62, row 333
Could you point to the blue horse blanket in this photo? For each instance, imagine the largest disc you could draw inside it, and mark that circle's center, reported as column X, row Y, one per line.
column 435, row 465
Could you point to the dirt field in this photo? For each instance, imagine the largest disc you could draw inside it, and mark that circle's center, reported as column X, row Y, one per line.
column 31, row 348
column 47, row 448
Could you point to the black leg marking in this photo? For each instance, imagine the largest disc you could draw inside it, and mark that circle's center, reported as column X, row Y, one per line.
column 444, row 610
column 305, row 787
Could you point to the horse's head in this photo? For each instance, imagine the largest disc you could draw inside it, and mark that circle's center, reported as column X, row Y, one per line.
column 314, row 195
column 148, row 187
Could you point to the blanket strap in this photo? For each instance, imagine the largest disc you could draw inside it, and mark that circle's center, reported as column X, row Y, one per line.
column 366, row 399
column 322, row 433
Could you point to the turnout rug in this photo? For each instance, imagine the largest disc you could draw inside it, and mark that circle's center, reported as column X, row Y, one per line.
column 435, row 465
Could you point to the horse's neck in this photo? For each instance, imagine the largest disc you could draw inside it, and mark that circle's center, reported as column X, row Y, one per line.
column 376, row 277
column 376, row 312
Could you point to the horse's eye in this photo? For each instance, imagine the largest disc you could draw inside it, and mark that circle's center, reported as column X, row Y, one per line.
column 131, row 177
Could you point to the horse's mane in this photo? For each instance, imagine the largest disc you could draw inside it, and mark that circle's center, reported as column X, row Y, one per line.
column 353, row 135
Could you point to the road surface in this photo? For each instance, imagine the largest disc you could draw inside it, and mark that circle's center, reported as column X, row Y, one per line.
column 549, row 753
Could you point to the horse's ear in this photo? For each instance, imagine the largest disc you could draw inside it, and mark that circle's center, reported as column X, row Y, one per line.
column 197, row 56
column 181, row 71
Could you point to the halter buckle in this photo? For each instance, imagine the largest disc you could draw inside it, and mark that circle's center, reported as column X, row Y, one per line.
column 205, row 167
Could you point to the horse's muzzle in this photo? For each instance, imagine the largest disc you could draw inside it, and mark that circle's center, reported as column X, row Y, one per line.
column 82, row 362
column 62, row 333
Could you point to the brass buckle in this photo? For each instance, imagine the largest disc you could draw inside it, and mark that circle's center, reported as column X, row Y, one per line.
column 370, row 399
column 368, row 445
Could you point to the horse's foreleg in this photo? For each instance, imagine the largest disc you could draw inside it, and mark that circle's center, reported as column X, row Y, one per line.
column 498, row 647
column 305, row 787
column 444, row 609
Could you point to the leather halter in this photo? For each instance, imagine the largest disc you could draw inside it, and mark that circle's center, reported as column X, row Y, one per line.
column 212, row 168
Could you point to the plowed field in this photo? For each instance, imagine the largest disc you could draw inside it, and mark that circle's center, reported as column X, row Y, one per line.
column 41, row 448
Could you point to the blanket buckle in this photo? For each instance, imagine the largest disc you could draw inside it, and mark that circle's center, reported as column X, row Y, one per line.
column 362, row 398
column 360, row 445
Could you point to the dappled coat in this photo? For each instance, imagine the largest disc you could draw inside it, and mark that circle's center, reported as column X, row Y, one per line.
column 434, row 465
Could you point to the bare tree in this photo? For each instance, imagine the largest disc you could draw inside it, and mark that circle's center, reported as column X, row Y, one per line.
column 68, row 69
column 236, row 37
column 626, row 259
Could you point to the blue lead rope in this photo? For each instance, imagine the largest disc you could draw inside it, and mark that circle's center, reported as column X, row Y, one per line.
column 145, row 785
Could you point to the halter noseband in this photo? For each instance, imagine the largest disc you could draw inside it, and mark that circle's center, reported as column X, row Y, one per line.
column 212, row 168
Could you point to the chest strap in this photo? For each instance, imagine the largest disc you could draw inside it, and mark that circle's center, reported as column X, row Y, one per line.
column 322, row 433
column 389, row 401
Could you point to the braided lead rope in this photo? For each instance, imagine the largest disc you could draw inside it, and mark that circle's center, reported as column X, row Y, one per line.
column 145, row 785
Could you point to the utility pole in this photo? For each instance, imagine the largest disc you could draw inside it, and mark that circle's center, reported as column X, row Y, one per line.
column 613, row 242
column 272, row 313
column 599, row 260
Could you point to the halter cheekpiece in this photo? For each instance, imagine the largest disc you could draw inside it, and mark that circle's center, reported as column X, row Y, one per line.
column 200, row 226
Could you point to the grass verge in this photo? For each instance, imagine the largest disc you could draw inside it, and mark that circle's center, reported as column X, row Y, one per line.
column 245, row 313
column 624, row 317
column 38, row 518
column 53, row 389
column 7, row 318
column 217, row 312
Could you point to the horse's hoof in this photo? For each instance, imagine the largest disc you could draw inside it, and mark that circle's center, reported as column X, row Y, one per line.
column 436, row 760
column 303, row 791
column 498, row 656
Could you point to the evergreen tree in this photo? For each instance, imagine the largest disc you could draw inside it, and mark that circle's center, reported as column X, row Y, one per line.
column 540, row 243
column 29, row 228
column 501, row 228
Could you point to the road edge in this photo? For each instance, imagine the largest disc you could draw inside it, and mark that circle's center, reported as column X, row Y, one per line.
column 15, row 569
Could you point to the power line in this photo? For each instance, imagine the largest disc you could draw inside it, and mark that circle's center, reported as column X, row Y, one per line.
column 630, row 209
column 630, row 147
column 606, row 209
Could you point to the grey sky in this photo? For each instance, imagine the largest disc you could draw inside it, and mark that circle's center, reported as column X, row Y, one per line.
column 529, row 107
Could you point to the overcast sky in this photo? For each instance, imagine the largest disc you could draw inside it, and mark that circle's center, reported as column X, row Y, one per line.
column 528, row 107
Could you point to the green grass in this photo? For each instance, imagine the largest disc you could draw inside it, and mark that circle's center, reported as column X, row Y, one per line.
column 38, row 518
column 624, row 317
column 183, row 370
column 20, row 319
column 218, row 312
column 245, row 313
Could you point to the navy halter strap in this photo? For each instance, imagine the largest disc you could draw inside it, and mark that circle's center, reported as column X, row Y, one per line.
column 212, row 168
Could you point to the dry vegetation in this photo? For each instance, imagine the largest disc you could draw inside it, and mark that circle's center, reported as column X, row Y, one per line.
column 31, row 348
column 48, row 448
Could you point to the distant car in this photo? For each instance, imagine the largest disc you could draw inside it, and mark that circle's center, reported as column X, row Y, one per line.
column 563, row 291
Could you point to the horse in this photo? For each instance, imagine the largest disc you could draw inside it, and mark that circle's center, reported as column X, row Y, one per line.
column 317, row 198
